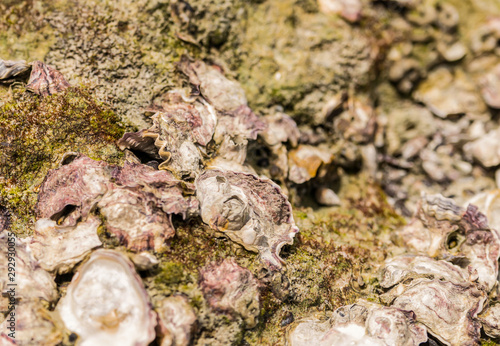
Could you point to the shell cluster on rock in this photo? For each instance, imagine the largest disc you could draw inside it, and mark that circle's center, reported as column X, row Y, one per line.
column 213, row 162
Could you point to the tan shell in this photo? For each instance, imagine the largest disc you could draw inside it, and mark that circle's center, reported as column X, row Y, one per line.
column 106, row 303
column 449, row 92
column 305, row 161
column 486, row 149
column 251, row 211
column 176, row 321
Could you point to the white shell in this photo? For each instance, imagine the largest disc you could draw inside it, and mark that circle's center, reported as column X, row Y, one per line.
column 59, row 248
column 177, row 321
column 106, row 303
column 32, row 282
column 252, row 212
column 358, row 324
column 449, row 311
column 403, row 267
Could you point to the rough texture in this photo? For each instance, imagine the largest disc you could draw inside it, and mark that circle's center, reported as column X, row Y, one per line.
column 367, row 104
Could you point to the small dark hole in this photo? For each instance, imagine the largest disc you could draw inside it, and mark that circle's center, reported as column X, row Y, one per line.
column 72, row 337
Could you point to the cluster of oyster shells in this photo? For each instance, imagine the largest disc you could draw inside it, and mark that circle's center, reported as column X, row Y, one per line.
column 203, row 137
column 440, row 286
column 195, row 150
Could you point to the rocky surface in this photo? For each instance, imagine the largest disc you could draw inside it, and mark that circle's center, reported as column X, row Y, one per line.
column 344, row 119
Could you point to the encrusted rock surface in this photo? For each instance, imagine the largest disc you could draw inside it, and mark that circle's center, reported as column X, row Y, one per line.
column 255, row 172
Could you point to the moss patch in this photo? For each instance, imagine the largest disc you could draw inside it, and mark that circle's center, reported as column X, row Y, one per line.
column 35, row 132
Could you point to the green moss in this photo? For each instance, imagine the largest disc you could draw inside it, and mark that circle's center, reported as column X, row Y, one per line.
column 37, row 131
column 171, row 273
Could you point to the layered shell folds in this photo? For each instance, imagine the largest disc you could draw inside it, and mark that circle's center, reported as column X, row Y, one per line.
column 251, row 211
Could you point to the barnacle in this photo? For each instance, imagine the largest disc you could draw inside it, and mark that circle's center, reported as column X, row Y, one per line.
column 45, row 80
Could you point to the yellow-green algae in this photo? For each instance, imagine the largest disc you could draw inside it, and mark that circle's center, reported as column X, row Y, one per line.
column 35, row 132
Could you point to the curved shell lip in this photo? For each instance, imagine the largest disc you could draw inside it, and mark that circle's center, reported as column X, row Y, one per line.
column 276, row 249
column 66, row 306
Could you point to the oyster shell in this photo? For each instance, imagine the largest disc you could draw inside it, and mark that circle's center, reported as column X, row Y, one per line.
column 135, row 201
column 59, row 248
column 359, row 324
column 348, row 9
column 231, row 289
column 32, row 282
column 34, row 325
column 182, row 124
column 70, row 192
column 485, row 38
column 222, row 93
column 280, row 128
column 326, row 196
column 448, row 310
column 489, row 204
column 176, row 321
column 45, row 80
column 305, row 161
column 253, row 212
column 447, row 93
column 10, row 69
column 185, row 125
column 486, row 149
column 106, row 303
column 490, row 87
column 442, row 229
column 136, row 219
column 401, row 268
column 490, row 319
